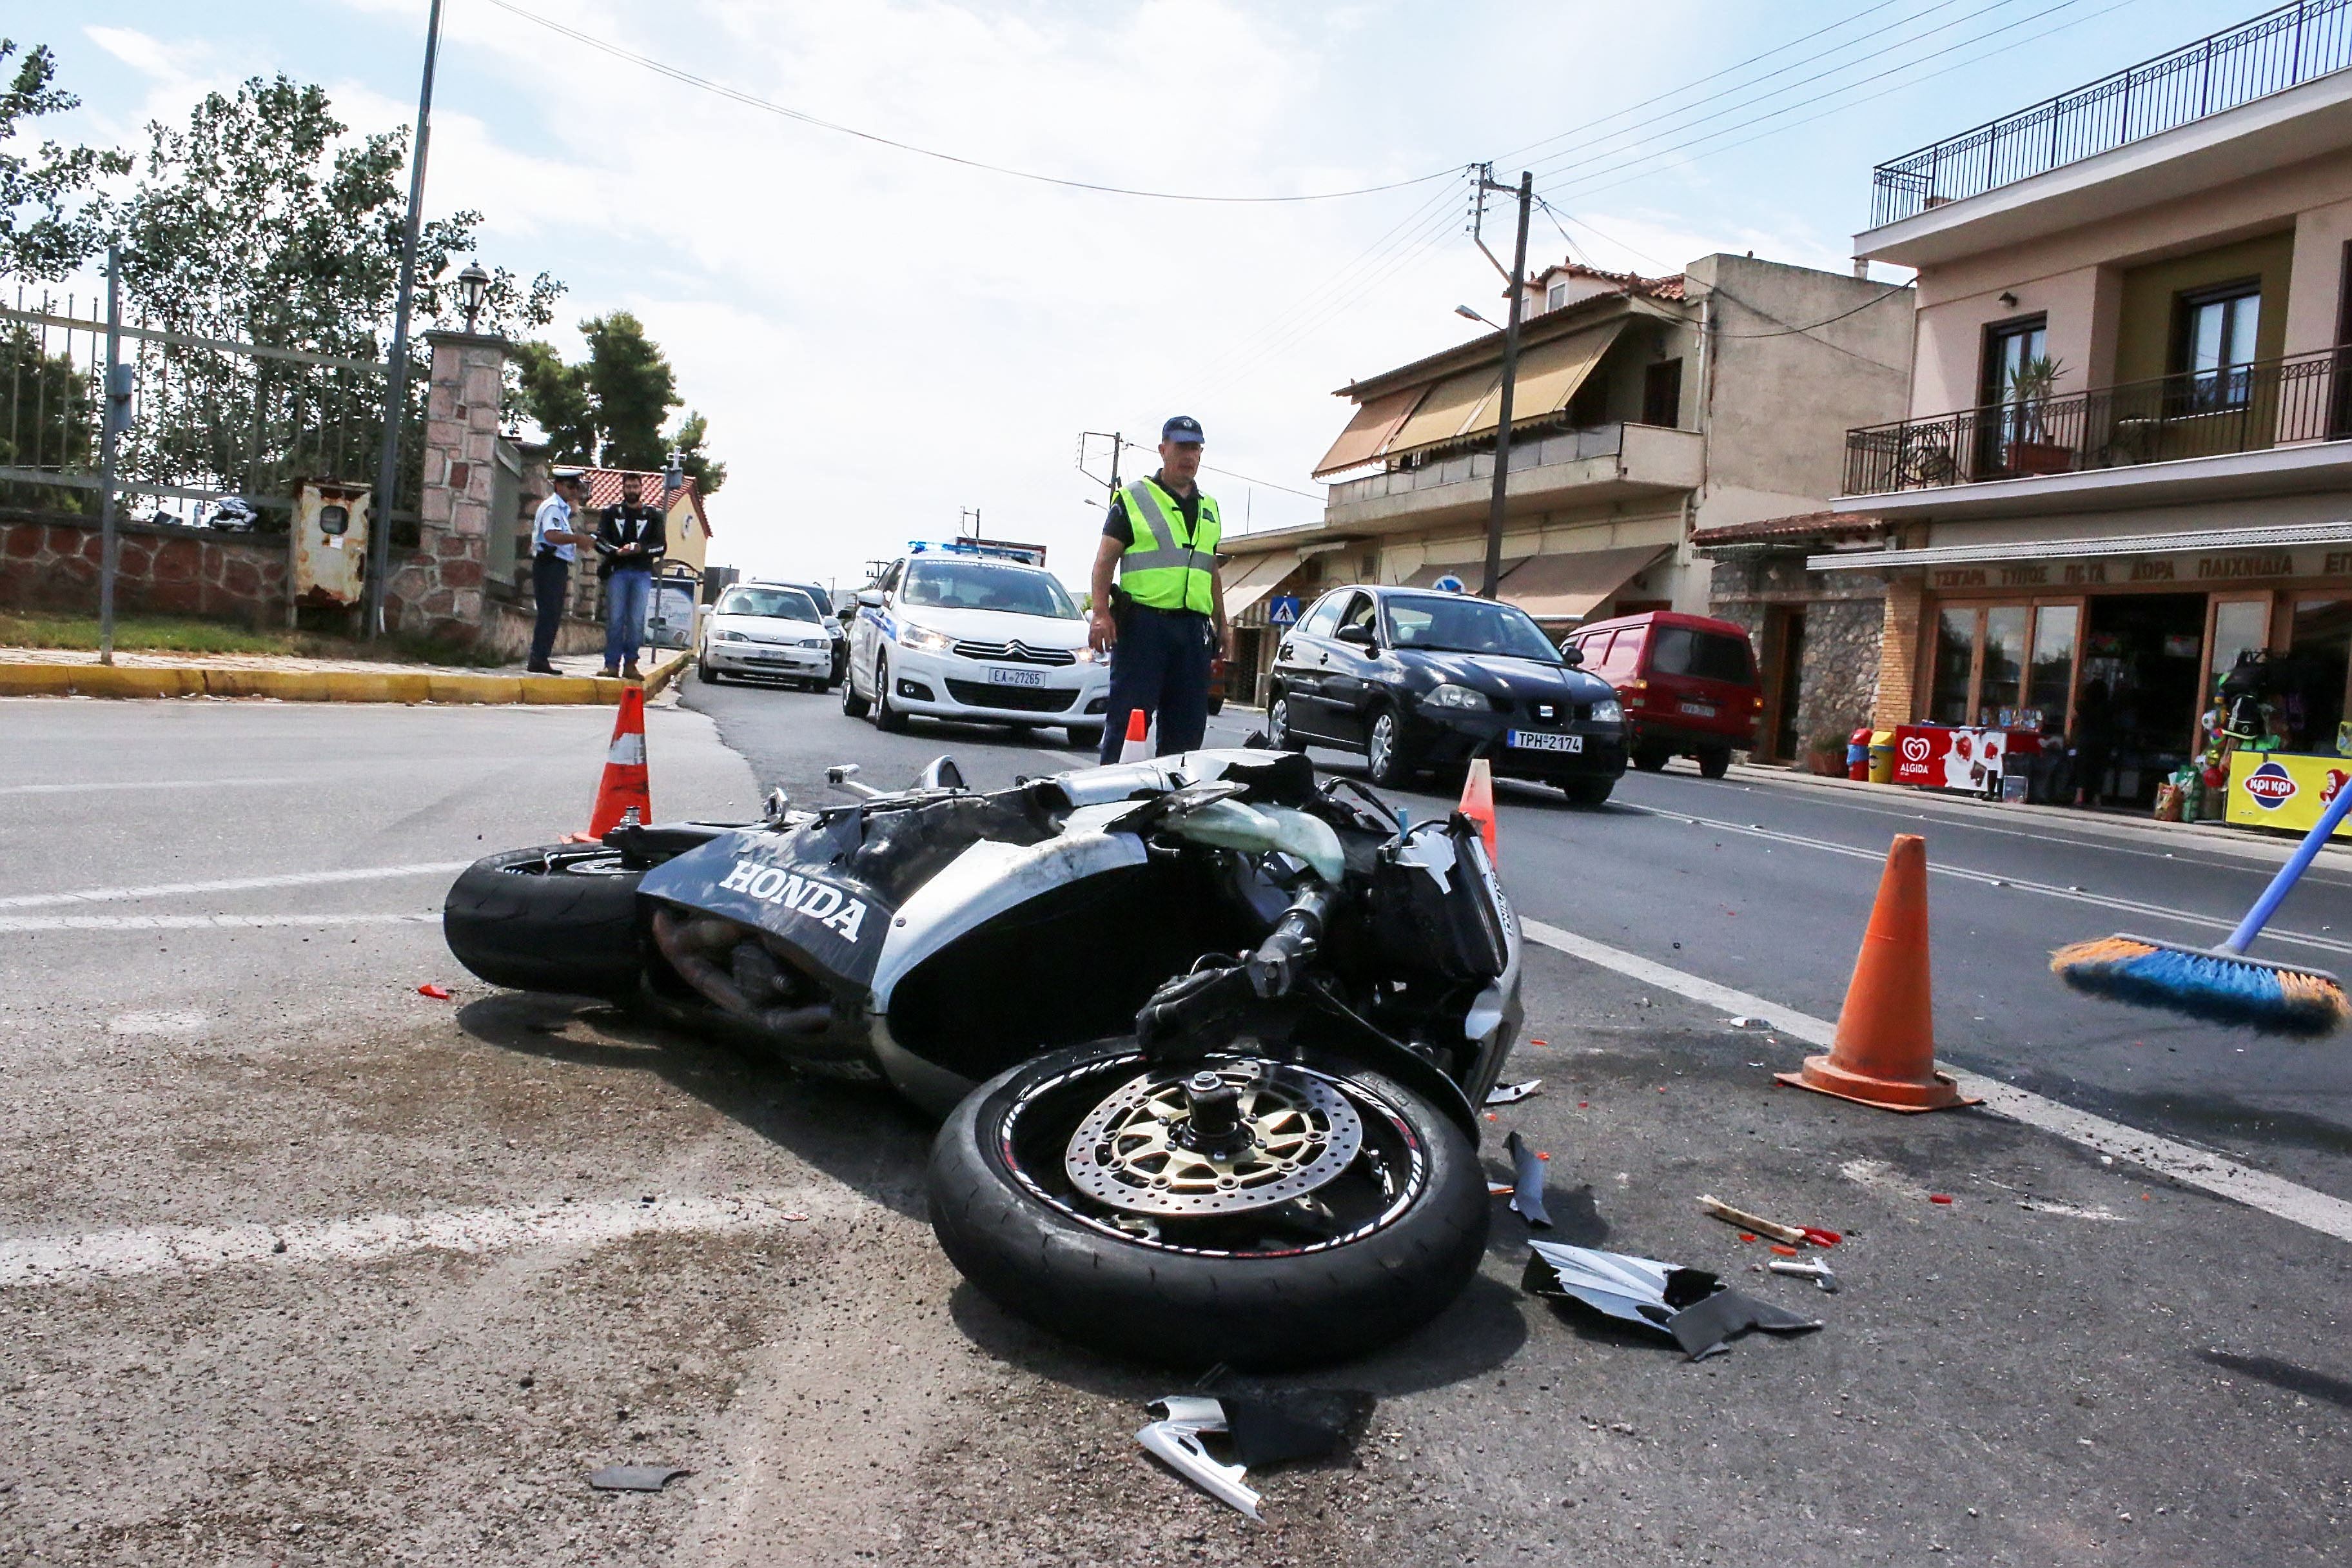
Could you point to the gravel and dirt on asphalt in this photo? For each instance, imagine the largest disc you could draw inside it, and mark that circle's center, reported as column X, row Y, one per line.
column 529, row 1237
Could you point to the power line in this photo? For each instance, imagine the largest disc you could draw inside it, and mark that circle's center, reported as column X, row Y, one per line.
column 1837, row 108
column 1582, row 186
column 1712, row 76
column 1245, row 478
column 1564, row 163
column 1793, row 329
column 1337, row 281
column 754, row 101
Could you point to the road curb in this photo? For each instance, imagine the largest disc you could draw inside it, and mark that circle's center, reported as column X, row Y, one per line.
column 323, row 685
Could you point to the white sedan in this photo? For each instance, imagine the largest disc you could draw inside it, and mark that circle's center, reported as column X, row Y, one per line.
column 760, row 628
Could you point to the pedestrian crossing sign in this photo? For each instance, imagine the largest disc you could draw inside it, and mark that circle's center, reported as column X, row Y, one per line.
column 1282, row 610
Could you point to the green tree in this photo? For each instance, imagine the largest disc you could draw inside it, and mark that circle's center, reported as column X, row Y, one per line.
column 50, row 222
column 557, row 396
column 262, row 220
column 687, row 439
column 635, row 390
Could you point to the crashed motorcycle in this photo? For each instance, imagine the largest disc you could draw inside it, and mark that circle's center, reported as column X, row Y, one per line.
column 1206, row 1033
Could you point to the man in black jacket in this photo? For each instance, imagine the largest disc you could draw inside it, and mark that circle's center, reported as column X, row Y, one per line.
column 631, row 539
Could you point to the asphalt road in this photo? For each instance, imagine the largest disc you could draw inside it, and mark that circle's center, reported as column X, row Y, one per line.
column 299, row 1266
column 1766, row 887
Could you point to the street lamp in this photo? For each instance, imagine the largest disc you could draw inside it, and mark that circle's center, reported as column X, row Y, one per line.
column 1473, row 315
column 473, row 290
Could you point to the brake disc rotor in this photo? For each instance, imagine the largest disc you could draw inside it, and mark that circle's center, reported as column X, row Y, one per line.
column 1134, row 1150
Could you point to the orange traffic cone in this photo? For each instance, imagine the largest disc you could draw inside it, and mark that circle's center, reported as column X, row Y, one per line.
column 1478, row 803
column 1884, row 1053
column 623, row 793
column 1138, row 746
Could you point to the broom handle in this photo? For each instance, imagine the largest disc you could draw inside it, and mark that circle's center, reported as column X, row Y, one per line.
column 2275, row 894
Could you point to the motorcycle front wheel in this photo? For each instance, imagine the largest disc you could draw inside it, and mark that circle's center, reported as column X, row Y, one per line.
column 1336, row 1210
column 561, row 918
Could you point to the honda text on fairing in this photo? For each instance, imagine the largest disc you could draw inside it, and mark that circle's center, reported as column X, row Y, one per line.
column 970, row 631
column 1206, row 1035
column 1416, row 679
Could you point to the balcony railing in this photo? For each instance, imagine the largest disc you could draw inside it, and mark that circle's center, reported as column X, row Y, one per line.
column 2245, row 409
column 2254, row 59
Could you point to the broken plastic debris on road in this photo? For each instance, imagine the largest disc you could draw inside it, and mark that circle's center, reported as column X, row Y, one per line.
column 1690, row 1306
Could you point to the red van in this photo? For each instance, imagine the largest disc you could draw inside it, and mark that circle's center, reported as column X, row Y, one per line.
column 1688, row 684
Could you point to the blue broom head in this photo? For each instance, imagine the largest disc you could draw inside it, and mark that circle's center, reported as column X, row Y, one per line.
column 2218, row 987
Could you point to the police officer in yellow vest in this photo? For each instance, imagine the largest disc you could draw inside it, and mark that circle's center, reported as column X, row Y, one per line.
column 1167, row 618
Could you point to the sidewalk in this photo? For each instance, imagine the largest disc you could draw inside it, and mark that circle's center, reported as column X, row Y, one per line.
column 70, row 672
column 2248, row 843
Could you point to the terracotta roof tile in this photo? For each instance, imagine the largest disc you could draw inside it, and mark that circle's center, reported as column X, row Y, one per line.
column 606, row 487
column 1826, row 526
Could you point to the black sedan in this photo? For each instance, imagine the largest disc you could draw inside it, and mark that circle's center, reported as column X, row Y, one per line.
column 1415, row 680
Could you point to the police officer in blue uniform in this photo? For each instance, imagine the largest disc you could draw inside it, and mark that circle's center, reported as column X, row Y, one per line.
column 1165, row 619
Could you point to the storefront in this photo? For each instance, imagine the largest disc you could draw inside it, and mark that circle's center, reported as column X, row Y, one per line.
column 2117, row 644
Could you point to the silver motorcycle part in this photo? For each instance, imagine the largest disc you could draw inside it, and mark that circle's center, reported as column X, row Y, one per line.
column 1142, row 1150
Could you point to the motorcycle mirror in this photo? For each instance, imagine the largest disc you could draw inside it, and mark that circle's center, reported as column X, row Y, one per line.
column 941, row 773
column 778, row 803
column 843, row 776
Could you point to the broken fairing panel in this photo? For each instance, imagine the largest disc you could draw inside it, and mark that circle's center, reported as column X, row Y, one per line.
column 1175, row 1441
column 1527, row 1193
column 1688, row 1305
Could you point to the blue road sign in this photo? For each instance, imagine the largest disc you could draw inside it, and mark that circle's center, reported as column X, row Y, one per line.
column 1282, row 610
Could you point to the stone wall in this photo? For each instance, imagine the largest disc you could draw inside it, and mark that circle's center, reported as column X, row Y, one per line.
column 1837, row 681
column 161, row 569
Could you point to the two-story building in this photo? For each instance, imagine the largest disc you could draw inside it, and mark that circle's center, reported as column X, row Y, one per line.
column 2128, row 455
column 1643, row 407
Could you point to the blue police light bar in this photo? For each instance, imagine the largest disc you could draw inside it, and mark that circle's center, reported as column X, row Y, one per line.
column 993, row 549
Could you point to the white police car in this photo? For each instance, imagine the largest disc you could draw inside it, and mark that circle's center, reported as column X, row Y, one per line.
column 971, row 632
column 767, row 629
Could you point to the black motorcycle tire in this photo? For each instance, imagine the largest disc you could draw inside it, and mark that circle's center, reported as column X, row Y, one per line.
column 561, row 918
column 1130, row 1299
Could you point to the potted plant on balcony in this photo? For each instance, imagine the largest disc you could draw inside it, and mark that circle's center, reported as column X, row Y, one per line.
column 2030, row 448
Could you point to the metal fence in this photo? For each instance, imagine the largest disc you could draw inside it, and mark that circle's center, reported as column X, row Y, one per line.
column 2244, row 408
column 211, row 420
column 2270, row 54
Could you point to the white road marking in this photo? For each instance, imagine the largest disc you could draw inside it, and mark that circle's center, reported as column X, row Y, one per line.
column 232, row 885
column 113, row 1254
column 1989, row 879
column 32, row 924
column 2192, row 1167
column 147, row 784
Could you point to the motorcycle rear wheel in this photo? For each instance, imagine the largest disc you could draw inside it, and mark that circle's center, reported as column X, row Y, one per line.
column 1402, row 1229
column 561, row 918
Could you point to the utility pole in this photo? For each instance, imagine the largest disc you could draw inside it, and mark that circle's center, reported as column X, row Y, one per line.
column 115, row 415
column 1516, row 275
column 968, row 514
column 395, row 380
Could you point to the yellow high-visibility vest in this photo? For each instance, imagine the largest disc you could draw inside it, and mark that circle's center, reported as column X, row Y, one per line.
column 1161, row 567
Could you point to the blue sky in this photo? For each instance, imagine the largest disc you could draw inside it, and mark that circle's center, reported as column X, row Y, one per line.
column 880, row 339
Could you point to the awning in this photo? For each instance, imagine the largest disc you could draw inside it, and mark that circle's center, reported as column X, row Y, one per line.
column 1257, row 575
column 1471, row 573
column 1366, row 434
column 1447, row 409
column 1549, row 376
column 2270, row 536
column 1567, row 587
